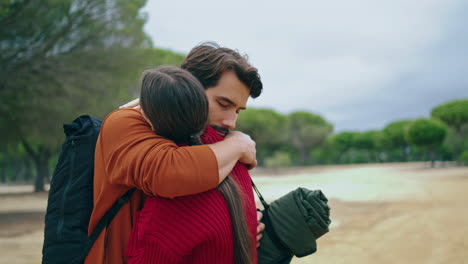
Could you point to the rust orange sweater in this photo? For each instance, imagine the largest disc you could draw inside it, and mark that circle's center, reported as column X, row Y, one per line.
column 129, row 154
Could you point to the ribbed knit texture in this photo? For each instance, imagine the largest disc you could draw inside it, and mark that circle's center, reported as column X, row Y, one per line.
column 191, row 229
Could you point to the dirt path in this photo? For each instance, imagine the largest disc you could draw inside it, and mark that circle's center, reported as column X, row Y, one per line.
column 427, row 225
column 398, row 213
column 21, row 227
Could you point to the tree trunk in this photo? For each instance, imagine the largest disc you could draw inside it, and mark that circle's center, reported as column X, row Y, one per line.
column 432, row 157
column 42, row 168
column 41, row 160
column 304, row 156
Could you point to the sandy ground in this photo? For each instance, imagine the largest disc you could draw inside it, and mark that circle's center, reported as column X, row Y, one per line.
column 392, row 213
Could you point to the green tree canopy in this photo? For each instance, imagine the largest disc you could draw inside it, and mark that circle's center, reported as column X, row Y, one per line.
column 395, row 133
column 366, row 140
column 307, row 131
column 63, row 58
column 426, row 133
column 343, row 141
column 370, row 144
column 394, row 137
column 453, row 113
column 266, row 127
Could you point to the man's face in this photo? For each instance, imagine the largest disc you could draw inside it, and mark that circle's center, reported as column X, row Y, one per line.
column 226, row 100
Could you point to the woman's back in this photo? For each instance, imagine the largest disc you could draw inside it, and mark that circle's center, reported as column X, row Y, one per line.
column 191, row 229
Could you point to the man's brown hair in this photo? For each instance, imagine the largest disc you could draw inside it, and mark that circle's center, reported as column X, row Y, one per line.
column 208, row 61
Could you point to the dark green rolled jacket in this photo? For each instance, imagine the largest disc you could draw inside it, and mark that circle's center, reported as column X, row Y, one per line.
column 293, row 224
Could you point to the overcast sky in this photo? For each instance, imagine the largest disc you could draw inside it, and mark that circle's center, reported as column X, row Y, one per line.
column 360, row 64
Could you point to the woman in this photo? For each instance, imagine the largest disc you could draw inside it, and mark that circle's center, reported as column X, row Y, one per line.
column 217, row 226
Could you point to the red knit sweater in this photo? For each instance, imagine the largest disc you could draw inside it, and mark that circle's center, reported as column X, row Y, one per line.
column 191, row 229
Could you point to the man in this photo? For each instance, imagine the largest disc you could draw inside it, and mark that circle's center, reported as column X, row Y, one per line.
column 129, row 154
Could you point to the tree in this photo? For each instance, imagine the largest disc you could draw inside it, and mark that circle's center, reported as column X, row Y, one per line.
column 395, row 137
column 279, row 159
column 159, row 57
column 463, row 159
column 453, row 113
column 369, row 141
column 426, row 133
column 343, row 142
column 15, row 164
column 364, row 140
column 266, row 127
column 60, row 59
column 307, row 131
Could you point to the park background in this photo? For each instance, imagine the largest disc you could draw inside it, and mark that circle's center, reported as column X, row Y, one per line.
column 366, row 101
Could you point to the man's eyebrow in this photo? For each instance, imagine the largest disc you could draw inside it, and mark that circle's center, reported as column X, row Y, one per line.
column 229, row 101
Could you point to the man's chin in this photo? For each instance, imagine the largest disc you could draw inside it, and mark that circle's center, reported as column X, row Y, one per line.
column 222, row 131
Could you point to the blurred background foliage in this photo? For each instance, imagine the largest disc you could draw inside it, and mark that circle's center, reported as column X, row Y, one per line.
column 60, row 59
column 63, row 58
column 302, row 138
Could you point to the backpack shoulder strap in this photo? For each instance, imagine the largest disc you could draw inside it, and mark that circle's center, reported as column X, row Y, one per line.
column 104, row 222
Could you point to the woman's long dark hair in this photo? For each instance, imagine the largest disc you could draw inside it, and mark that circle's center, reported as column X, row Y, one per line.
column 175, row 103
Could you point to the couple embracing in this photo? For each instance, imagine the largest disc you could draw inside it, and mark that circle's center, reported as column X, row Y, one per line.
column 194, row 201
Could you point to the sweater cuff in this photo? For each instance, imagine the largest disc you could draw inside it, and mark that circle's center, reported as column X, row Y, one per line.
column 209, row 176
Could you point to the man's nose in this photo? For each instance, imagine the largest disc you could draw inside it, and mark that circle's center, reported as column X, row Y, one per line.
column 230, row 123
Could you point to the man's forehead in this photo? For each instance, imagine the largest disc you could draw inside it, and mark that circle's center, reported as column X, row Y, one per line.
column 231, row 88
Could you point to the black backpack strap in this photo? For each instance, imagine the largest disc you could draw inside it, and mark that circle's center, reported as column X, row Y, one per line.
column 104, row 222
column 260, row 196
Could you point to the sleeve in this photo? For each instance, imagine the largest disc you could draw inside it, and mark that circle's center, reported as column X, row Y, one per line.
column 135, row 156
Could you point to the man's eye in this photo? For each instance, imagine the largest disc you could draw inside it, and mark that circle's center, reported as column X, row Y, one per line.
column 223, row 105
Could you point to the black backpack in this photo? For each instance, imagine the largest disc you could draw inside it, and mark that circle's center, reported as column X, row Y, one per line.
column 70, row 200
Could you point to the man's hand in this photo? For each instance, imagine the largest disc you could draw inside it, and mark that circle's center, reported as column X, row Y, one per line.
column 249, row 152
column 260, row 227
column 135, row 104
